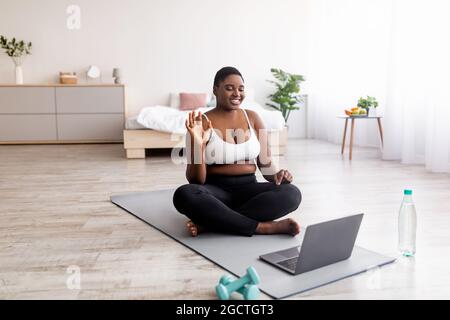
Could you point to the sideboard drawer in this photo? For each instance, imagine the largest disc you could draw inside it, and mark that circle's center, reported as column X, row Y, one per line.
column 27, row 127
column 27, row 100
column 57, row 113
column 89, row 100
column 90, row 126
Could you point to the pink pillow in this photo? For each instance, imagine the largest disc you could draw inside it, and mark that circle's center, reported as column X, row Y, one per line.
column 192, row 101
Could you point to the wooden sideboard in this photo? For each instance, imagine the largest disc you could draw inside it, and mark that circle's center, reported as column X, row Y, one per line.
column 61, row 113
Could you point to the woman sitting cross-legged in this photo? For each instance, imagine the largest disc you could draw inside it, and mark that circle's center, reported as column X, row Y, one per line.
column 223, row 150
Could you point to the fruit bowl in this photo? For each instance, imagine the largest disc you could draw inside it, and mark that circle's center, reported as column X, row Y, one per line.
column 356, row 112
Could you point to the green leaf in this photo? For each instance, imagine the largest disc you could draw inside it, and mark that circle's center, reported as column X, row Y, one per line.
column 15, row 48
column 287, row 95
column 367, row 102
column 273, row 106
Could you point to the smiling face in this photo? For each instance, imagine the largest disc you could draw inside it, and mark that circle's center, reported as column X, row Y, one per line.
column 230, row 92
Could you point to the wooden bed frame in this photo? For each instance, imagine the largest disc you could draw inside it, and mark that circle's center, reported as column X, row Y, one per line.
column 137, row 141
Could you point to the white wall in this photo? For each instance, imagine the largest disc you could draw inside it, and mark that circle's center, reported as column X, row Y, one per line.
column 161, row 45
column 348, row 55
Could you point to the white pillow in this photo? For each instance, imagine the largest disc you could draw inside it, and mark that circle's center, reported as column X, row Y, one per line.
column 174, row 100
column 212, row 102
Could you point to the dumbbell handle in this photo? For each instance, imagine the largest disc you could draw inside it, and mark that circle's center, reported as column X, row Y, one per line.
column 244, row 291
column 238, row 283
column 225, row 280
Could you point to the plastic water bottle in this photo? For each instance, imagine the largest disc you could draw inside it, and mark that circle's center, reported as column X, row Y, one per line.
column 407, row 221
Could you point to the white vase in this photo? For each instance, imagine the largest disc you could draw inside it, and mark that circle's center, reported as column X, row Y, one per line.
column 19, row 75
column 372, row 112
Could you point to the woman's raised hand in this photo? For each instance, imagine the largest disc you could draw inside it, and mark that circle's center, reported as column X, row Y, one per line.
column 195, row 128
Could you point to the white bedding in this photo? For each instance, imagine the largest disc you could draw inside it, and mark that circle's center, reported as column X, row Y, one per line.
column 167, row 119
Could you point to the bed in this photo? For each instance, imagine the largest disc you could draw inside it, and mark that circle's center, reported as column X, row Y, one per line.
column 158, row 127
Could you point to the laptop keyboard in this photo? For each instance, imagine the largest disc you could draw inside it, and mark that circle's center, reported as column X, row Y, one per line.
column 289, row 263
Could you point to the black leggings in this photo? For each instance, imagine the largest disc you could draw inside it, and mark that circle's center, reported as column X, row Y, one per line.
column 235, row 204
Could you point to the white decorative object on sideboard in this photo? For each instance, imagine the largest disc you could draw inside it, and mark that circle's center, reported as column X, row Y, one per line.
column 61, row 113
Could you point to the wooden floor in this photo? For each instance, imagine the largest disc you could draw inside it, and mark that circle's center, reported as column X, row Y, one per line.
column 55, row 214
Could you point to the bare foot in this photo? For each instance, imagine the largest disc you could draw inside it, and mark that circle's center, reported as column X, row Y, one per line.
column 193, row 229
column 285, row 226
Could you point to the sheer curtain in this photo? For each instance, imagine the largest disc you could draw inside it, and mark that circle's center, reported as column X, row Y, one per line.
column 396, row 50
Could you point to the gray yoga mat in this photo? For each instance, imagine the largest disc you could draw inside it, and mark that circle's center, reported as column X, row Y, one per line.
column 236, row 253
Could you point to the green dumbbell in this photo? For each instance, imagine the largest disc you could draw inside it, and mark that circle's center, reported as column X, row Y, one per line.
column 251, row 278
column 249, row 292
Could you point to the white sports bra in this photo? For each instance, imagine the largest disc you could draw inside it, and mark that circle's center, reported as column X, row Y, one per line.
column 219, row 151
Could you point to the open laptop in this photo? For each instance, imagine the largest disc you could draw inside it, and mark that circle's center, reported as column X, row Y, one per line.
column 323, row 244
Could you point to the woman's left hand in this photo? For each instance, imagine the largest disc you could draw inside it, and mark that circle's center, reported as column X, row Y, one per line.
column 283, row 176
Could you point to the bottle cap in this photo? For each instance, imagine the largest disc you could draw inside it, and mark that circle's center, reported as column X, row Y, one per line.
column 407, row 192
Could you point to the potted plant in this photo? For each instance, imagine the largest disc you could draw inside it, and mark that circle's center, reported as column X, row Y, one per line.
column 17, row 50
column 286, row 98
column 368, row 103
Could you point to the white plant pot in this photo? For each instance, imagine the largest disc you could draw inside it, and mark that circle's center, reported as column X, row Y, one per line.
column 277, row 140
column 19, row 75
